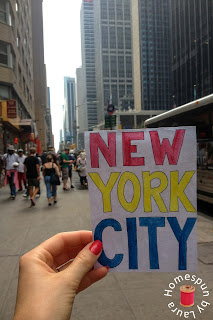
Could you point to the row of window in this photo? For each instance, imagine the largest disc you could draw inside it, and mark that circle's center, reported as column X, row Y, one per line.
column 117, row 66
column 117, row 92
column 116, row 38
column 8, row 59
column 119, row 10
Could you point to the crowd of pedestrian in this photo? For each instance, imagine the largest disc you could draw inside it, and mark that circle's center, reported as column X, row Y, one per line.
column 24, row 171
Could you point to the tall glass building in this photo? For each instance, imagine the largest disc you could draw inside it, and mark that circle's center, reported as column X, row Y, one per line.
column 192, row 49
column 153, row 62
column 116, row 52
column 69, row 111
column 106, row 37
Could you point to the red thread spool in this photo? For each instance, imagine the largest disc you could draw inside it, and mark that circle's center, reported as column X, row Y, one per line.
column 187, row 296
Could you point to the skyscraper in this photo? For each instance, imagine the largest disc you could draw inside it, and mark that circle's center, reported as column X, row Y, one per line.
column 69, row 110
column 39, row 72
column 152, row 54
column 116, row 52
column 192, row 49
column 16, row 72
column 81, row 107
column 22, row 75
column 50, row 142
column 106, row 55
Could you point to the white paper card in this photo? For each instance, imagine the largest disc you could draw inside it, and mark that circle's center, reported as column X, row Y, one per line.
column 142, row 186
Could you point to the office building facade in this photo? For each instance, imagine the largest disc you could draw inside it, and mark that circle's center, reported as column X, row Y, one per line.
column 116, row 52
column 106, row 56
column 39, row 74
column 50, row 138
column 192, row 49
column 152, row 54
column 69, row 110
column 16, row 73
column 81, row 108
column 22, row 75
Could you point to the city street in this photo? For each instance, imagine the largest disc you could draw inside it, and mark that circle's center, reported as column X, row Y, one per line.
column 125, row 296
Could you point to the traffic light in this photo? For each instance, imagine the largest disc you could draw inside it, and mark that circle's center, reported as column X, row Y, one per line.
column 15, row 140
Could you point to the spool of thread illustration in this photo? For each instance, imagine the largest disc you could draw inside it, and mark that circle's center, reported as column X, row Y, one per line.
column 187, row 296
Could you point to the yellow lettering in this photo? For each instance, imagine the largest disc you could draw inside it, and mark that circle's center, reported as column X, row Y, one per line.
column 154, row 192
column 177, row 191
column 105, row 189
column 129, row 206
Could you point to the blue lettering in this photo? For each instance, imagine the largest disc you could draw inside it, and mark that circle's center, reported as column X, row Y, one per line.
column 182, row 237
column 132, row 243
column 152, row 223
column 103, row 260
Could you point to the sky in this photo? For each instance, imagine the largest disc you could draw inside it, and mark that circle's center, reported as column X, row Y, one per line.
column 62, row 52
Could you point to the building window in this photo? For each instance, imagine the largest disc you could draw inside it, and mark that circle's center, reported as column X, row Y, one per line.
column 128, row 67
column 119, row 9
column 121, row 66
column 128, row 38
column 113, row 63
column 103, row 10
column 111, row 4
column 120, row 37
column 19, row 76
column 4, row 92
column 3, row 11
column 106, row 93
column 105, row 66
column 18, row 41
column 24, row 86
column 121, row 91
column 114, row 95
column 3, row 53
column 104, row 37
column 112, row 37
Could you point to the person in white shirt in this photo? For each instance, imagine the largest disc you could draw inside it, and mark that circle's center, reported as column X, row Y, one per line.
column 11, row 174
column 21, row 175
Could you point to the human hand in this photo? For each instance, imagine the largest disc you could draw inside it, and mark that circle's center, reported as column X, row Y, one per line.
column 43, row 292
column 39, row 178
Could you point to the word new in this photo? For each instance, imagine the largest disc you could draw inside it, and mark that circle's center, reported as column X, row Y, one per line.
column 159, row 149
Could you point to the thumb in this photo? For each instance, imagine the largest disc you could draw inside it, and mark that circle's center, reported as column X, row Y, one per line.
column 85, row 260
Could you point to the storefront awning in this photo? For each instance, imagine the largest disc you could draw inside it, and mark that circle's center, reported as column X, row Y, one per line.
column 26, row 123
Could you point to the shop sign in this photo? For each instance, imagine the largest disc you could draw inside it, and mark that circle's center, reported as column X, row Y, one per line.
column 11, row 109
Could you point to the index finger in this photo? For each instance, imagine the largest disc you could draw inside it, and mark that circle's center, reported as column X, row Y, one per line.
column 63, row 246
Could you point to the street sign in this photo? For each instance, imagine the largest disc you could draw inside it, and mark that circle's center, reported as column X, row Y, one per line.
column 110, row 109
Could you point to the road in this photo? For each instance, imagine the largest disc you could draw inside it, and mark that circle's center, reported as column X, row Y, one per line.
column 125, row 296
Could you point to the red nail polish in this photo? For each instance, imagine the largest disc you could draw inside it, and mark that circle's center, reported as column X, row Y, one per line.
column 96, row 247
column 107, row 267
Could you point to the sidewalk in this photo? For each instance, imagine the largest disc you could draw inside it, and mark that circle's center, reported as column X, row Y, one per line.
column 125, row 296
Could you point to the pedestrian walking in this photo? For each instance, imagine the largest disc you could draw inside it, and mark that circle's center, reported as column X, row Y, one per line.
column 21, row 175
column 48, row 169
column 81, row 169
column 65, row 167
column 44, row 157
column 11, row 173
column 55, row 159
column 32, row 172
column 71, row 156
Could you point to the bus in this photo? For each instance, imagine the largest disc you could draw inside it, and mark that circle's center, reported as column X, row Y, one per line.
column 197, row 113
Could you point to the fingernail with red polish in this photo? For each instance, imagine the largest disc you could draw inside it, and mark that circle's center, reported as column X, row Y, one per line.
column 96, row 247
column 107, row 267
